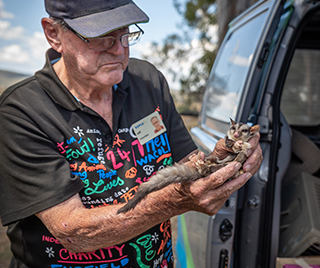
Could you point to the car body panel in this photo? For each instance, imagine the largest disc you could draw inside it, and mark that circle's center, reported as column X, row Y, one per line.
column 246, row 84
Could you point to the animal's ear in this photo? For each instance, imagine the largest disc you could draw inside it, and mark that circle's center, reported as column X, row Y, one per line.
column 254, row 129
column 232, row 123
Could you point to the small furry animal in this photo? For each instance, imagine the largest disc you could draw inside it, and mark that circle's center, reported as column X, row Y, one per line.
column 236, row 139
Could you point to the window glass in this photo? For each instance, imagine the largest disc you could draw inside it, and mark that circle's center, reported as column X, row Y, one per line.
column 227, row 80
column 301, row 93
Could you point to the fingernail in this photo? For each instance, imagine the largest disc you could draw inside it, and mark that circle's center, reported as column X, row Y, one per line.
column 247, row 167
column 249, row 175
column 237, row 166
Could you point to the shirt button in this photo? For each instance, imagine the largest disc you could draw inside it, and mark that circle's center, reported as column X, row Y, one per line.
column 109, row 137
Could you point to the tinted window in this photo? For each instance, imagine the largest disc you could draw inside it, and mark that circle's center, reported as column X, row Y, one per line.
column 228, row 77
column 301, row 93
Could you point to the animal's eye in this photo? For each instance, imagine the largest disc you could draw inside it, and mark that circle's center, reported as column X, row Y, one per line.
column 245, row 131
column 233, row 128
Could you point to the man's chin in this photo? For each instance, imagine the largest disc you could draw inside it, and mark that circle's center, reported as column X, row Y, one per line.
column 111, row 78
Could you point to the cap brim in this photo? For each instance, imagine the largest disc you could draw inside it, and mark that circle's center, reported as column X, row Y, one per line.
column 102, row 23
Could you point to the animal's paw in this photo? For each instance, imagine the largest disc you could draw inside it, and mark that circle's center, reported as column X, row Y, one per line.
column 198, row 163
column 238, row 144
column 196, row 160
column 194, row 157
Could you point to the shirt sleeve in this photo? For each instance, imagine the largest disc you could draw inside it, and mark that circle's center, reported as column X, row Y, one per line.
column 34, row 176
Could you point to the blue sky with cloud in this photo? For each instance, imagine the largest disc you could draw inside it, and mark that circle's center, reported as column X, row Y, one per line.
column 23, row 45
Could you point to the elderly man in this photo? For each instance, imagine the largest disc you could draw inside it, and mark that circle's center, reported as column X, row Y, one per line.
column 73, row 149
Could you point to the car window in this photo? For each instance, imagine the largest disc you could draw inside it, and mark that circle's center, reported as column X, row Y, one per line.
column 301, row 95
column 227, row 79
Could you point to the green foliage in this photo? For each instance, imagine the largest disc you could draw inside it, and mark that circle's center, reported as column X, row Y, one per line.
column 179, row 50
column 189, row 55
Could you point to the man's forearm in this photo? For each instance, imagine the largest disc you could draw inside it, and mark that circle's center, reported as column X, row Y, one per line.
column 84, row 230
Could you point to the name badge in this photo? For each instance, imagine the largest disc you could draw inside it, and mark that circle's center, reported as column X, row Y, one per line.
column 149, row 127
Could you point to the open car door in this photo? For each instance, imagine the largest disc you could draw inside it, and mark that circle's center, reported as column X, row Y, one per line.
column 233, row 237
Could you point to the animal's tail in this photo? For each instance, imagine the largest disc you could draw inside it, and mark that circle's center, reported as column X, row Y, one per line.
column 164, row 177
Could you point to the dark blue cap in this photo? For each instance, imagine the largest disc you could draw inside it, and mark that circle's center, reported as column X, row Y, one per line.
column 93, row 18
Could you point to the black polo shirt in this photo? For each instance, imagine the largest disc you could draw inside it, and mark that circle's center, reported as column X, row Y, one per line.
column 53, row 147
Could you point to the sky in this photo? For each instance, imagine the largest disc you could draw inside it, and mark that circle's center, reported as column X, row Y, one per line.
column 23, row 45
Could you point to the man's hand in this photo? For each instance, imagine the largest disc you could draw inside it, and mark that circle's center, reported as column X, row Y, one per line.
column 254, row 154
column 208, row 194
column 255, row 157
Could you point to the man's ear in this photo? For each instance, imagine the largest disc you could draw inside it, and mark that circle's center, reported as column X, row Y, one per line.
column 52, row 34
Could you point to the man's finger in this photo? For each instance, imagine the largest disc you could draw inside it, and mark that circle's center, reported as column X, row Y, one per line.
column 231, row 186
column 219, row 177
column 253, row 162
column 254, row 141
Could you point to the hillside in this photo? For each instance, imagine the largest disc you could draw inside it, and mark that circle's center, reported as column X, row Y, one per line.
column 8, row 78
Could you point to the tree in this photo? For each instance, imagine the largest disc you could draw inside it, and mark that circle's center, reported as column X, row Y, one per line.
column 188, row 57
column 227, row 11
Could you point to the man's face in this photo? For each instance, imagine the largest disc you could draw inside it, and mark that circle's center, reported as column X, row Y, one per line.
column 155, row 122
column 101, row 68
